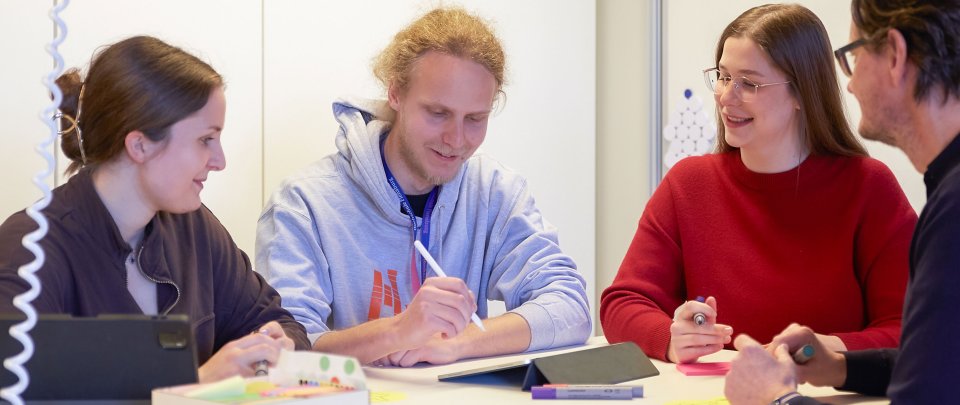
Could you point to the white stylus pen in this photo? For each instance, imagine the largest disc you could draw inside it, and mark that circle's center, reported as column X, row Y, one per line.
column 436, row 269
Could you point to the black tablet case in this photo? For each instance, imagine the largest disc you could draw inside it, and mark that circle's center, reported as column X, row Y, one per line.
column 611, row 364
column 109, row 357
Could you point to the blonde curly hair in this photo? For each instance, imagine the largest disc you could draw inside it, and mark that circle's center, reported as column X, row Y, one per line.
column 449, row 30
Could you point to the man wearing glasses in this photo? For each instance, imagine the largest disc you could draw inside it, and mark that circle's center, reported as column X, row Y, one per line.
column 904, row 69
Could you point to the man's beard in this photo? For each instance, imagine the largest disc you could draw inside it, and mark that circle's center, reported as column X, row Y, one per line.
column 415, row 165
column 879, row 135
column 886, row 129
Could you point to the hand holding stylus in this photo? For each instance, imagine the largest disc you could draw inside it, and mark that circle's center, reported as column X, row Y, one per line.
column 436, row 269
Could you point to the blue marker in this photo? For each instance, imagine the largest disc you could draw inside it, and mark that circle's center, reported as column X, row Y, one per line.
column 804, row 354
column 699, row 318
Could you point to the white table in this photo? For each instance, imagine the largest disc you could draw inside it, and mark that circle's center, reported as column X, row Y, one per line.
column 420, row 385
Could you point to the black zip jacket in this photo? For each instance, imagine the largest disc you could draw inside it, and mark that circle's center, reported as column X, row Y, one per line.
column 200, row 270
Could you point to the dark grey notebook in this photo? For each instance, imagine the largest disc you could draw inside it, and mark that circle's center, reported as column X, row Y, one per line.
column 611, row 364
column 110, row 357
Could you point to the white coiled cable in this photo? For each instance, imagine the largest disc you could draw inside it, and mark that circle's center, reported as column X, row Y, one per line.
column 30, row 241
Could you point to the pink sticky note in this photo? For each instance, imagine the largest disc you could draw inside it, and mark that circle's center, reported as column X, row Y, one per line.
column 718, row 368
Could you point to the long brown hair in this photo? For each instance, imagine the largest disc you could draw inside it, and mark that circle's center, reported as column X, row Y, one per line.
column 797, row 43
column 138, row 84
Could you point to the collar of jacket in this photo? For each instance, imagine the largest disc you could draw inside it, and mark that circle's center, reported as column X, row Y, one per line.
column 89, row 217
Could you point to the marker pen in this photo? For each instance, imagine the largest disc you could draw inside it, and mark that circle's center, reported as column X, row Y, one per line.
column 260, row 367
column 699, row 318
column 804, row 354
column 587, row 392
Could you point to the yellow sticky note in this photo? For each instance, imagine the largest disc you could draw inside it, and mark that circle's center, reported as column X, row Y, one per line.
column 257, row 387
column 384, row 396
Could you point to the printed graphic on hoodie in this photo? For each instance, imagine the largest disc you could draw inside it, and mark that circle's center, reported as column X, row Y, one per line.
column 384, row 295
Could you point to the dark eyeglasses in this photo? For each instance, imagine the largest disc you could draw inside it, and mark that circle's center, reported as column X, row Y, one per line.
column 845, row 60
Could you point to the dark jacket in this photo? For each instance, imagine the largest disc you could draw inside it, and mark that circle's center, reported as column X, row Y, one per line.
column 201, row 271
column 926, row 367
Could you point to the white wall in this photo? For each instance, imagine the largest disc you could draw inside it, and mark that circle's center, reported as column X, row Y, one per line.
column 286, row 62
column 623, row 138
column 25, row 31
column 692, row 29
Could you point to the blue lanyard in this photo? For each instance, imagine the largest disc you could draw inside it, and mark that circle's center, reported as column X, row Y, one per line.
column 424, row 232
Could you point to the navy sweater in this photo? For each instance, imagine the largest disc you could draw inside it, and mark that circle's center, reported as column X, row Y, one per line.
column 926, row 368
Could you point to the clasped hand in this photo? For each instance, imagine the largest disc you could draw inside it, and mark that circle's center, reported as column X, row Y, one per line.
column 240, row 356
column 759, row 374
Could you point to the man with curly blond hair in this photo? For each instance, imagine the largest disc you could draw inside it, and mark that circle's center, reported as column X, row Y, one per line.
column 337, row 239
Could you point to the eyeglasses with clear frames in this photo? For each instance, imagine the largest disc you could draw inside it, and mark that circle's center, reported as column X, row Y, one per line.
column 744, row 88
column 844, row 59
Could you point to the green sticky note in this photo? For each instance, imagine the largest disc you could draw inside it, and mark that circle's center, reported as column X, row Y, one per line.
column 226, row 388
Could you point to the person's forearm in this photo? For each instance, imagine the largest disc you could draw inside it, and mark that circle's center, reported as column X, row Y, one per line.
column 367, row 342
column 877, row 335
column 505, row 334
column 833, row 343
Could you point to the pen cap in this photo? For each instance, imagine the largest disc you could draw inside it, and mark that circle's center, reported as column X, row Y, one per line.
column 543, row 393
column 804, row 354
column 699, row 318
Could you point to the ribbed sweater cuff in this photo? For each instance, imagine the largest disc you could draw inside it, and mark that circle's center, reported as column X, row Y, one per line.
column 542, row 333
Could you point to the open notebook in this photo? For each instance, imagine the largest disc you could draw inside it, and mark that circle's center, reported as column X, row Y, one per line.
column 108, row 357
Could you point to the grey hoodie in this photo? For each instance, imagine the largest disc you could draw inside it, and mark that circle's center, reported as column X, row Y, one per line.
column 333, row 241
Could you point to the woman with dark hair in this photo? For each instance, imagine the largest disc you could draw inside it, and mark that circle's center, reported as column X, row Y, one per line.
column 128, row 233
column 789, row 221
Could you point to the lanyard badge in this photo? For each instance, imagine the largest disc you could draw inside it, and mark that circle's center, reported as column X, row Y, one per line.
column 423, row 233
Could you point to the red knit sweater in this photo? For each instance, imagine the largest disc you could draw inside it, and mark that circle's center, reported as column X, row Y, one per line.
column 826, row 247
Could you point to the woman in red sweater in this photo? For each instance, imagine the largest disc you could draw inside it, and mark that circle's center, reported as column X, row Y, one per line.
column 790, row 221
